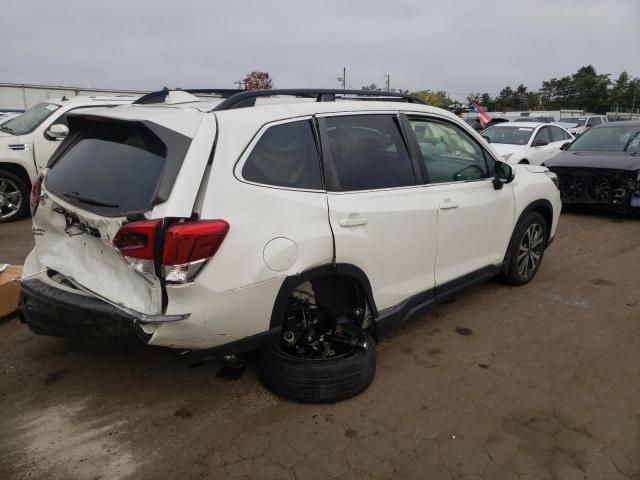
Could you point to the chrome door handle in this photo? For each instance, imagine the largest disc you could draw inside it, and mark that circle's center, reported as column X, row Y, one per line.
column 448, row 205
column 353, row 222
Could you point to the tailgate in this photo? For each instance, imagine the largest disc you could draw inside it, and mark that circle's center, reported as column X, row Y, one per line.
column 109, row 173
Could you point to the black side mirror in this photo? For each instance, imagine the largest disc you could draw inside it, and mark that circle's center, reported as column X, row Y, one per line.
column 565, row 145
column 488, row 139
column 502, row 174
column 539, row 142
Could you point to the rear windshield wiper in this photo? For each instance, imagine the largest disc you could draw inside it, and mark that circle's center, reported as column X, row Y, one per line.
column 89, row 201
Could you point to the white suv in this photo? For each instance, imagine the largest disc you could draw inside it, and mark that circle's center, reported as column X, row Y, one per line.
column 194, row 221
column 28, row 140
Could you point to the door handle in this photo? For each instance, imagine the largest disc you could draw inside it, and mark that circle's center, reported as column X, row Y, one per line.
column 448, row 205
column 353, row 222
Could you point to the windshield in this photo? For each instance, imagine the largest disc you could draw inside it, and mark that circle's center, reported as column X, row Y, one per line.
column 608, row 139
column 509, row 135
column 29, row 120
column 578, row 121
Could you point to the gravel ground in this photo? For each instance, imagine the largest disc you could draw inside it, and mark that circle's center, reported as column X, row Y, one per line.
column 534, row 382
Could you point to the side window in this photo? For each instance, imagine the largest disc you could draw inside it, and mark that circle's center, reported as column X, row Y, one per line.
column 285, row 156
column 557, row 135
column 448, row 153
column 368, row 152
column 543, row 135
column 567, row 135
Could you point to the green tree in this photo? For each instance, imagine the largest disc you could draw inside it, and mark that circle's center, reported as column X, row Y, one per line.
column 437, row 99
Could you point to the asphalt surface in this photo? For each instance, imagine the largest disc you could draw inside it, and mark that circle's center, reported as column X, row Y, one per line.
column 536, row 382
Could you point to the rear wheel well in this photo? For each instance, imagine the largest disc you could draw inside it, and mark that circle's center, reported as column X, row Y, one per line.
column 524, row 161
column 17, row 170
column 339, row 290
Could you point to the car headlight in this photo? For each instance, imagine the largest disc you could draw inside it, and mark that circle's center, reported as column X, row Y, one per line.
column 506, row 156
column 554, row 178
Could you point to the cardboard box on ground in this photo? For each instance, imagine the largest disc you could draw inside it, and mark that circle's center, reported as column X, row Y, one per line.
column 9, row 289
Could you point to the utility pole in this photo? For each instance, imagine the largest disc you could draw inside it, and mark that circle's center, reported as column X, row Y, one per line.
column 388, row 78
column 633, row 103
column 343, row 79
column 240, row 84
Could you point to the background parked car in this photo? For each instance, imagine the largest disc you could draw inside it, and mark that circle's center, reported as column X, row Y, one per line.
column 28, row 141
column 521, row 142
column 602, row 167
column 579, row 125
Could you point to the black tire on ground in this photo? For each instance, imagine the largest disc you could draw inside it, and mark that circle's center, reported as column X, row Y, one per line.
column 10, row 181
column 317, row 381
column 533, row 222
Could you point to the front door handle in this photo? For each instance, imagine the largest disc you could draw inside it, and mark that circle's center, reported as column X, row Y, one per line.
column 353, row 222
column 447, row 205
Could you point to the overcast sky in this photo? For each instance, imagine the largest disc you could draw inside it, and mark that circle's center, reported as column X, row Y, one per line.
column 452, row 45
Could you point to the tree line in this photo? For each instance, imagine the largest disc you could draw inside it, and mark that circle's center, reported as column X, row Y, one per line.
column 584, row 90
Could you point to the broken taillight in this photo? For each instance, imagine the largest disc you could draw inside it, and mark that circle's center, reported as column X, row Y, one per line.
column 185, row 246
column 34, row 198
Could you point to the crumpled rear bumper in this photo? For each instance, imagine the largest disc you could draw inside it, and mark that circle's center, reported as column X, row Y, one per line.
column 48, row 310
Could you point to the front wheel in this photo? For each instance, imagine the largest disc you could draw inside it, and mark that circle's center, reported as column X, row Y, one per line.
column 14, row 197
column 526, row 249
column 317, row 379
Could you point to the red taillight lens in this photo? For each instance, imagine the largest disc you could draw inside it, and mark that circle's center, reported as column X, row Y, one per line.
column 185, row 246
column 193, row 241
column 34, row 198
column 136, row 239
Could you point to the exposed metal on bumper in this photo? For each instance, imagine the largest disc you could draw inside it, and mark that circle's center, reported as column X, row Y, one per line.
column 141, row 317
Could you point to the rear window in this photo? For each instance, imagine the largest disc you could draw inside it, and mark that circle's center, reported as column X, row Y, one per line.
column 110, row 170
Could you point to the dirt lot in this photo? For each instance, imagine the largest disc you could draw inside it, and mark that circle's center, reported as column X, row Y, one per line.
column 501, row 383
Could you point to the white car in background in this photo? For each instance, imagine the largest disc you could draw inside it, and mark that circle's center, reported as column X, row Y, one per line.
column 527, row 142
column 28, row 140
column 4, row 118
column 579, row 125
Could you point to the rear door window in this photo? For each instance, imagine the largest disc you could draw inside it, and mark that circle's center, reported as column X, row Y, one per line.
column 367, row 153
column 286, row 155
column 110, row 169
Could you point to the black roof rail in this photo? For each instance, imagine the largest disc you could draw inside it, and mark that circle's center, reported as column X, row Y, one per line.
column 161, row 95
column 247, row 98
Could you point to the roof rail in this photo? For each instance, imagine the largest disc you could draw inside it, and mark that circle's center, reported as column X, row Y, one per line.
column 161, row 95
column 247, row 98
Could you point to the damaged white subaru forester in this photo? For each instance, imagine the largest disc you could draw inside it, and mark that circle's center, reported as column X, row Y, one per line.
column 305, row 223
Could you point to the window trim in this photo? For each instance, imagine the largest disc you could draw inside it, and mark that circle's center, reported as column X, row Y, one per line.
column 239, row 165
column 332, row 182
column 421, row 116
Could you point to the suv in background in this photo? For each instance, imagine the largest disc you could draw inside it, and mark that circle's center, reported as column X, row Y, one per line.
column 28, row 141
column 214, row 219
column 579, row 125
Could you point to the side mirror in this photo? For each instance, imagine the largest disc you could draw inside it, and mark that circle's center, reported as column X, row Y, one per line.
column 57, row 132
column 486, row 138
column 502, row 174
column 565, row 145
column 539, row 142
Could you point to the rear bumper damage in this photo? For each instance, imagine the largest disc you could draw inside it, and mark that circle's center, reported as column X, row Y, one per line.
column 599, row 186
column 48, row 310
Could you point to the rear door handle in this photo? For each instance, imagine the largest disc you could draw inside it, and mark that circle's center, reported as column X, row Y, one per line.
column 353, row 222
column 447, row 205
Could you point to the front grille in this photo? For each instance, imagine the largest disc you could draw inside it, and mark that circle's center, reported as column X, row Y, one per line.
column 603, row 186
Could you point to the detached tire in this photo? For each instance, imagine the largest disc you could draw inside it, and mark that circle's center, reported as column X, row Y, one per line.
column 317, row 380
column 526, row 249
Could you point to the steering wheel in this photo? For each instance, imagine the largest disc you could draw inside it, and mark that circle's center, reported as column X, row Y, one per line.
column 461, row 175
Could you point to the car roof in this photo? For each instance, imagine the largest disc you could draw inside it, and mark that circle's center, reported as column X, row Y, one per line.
column 92, row 100
column 520, row 124
column 274, row 111
column 621, row 123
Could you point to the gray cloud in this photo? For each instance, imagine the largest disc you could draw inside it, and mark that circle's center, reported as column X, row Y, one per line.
column 453, row 45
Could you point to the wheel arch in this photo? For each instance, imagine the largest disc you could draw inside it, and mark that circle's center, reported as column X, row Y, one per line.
column 342, row 270
column 17, row 170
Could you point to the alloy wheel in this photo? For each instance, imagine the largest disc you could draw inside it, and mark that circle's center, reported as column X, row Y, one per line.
column 10, row 199
column 530, row 250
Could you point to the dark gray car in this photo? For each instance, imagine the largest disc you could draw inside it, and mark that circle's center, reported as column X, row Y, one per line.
column 602, row 167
